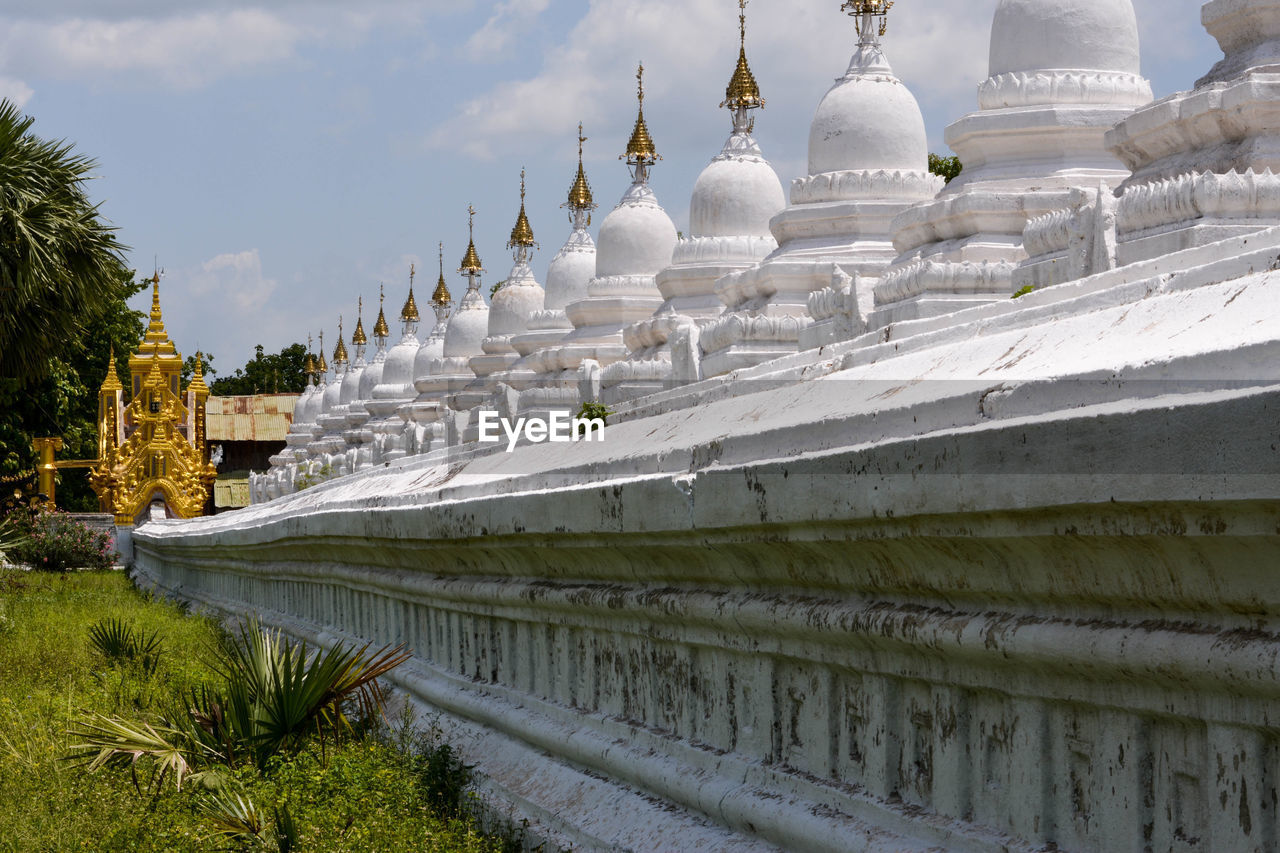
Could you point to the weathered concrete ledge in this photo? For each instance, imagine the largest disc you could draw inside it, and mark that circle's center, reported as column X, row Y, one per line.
column 1023, row 631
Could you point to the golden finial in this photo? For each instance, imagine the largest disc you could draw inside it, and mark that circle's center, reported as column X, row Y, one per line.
column 358, row 338
column 640, row 149
column 743, row 93
column 324, row 365
column 471, row 260
column 340, row 351
column 580, row 193
column 522, row 233
column 441, row 297
column 864, row 12
column 409, row 313
column 309, row 366
column 380, row 329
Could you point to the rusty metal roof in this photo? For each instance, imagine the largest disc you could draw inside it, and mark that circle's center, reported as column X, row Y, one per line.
column 254, row 417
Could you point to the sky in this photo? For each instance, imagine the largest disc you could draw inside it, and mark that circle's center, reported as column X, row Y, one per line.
column 279, row 159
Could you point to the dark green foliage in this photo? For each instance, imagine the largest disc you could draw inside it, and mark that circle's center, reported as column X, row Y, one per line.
column 119, row 643
column 282, row 373
column 1024, row 291
column 61, row 267
column 948, row 168
column 591, row 411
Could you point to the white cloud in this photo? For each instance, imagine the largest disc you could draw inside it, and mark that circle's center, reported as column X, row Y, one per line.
column 180, row 44
column 15, row 90
column 235, row 279
column 503, row 26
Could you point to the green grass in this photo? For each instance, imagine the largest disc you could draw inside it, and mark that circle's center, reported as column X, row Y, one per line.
column 362, row 794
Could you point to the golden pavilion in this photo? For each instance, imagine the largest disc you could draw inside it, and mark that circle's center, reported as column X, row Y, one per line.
column 152, row 449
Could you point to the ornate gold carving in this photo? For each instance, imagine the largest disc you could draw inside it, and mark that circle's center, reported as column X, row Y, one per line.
column 640, row 149
column 471, row 260
column 580, row 193
column 742, row 93
column 409, row 313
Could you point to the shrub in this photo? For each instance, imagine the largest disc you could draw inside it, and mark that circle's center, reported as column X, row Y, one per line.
column 56, row 541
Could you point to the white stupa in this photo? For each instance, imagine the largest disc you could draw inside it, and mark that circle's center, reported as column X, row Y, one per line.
column 1206, row 163
column 868, row 161
column 328, row 449
column 395, row 387
column 512, row 307
column 733, row 201
column 636, row 241
column 360, row 438
column 1062, row 73
column 279, row 479
column 548, row 385
column 424, row 417
column 349, row 396
column 463, row 341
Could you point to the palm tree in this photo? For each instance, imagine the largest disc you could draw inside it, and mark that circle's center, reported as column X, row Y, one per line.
column 60, row 264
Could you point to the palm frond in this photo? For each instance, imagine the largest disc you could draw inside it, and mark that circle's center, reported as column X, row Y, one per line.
column 114, row 742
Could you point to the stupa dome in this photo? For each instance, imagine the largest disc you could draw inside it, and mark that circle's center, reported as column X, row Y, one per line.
column 868, row 121
column 1034, row 35
column 397, row 371
column 570, row 270
column 467, row 328
column 735, row 196
column 637, row 237
column 514, row 303
column 431, row 350
column 370, row 378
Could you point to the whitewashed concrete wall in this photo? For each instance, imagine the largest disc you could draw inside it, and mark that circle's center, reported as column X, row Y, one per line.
column 1052, row 630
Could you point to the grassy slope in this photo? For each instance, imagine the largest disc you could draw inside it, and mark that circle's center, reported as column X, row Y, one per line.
column 362, row 796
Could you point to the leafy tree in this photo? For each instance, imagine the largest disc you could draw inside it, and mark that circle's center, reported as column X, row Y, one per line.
column 282, row 373
column 948, row 168
column 61, row 267
column 64, row 402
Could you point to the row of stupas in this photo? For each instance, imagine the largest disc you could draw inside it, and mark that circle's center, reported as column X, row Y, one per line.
column 1069, row 170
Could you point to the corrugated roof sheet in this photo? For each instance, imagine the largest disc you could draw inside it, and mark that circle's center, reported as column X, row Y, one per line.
column 256, row 417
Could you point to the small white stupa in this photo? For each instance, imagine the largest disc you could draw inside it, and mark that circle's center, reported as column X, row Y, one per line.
column 513, row 305
column 636, row 241
column 424, row 422
column 463, row 341
column 734, row 199
column 280, row 478
column 350, row 394
column 1062, row 72
column 360, row 438
column 868, row 161
column 549, row 386
column 395, row 387
column 329, row 449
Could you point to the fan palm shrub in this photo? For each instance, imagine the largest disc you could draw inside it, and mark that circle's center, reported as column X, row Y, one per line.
column 274, row 695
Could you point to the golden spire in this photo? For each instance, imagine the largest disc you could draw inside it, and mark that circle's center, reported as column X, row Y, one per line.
column 358, row 337
column 522, row 233
column 324, row 365
column 743, row 93
column 380, row 329
column 340, row 351
column 309, row 366
column 442, row 296
column 197, row 377
column 580, row 193
column 640, row 149
column 409, row 313
column 156, row 340
column 864, row 12
column 112, row 382
column 471, row 260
